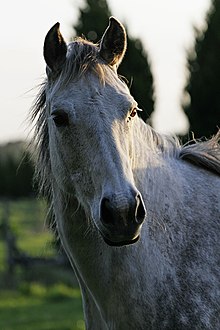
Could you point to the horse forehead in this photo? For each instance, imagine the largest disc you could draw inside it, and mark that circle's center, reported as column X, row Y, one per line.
column 90, row 91
column 73, row 98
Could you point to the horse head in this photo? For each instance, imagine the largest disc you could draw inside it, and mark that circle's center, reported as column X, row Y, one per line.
column 91, row 119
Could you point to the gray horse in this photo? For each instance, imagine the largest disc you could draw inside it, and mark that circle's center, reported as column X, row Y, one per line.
column 137, row 214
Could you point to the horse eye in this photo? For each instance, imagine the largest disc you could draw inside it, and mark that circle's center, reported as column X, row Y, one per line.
column 60, row 118
column 133, row 112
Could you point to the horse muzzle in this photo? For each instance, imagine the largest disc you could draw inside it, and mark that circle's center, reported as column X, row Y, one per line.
column 122, row 217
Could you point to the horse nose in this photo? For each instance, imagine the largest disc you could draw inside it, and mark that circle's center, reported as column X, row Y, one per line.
column 121, row 212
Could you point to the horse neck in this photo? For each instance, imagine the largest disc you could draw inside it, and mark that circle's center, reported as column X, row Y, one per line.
column 167, row 182
column 154, row 167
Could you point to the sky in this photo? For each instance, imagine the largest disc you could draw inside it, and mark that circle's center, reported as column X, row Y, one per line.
column 164, row 27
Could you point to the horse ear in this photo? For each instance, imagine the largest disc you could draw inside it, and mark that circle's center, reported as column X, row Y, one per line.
column 55, row 48
column 113, row 43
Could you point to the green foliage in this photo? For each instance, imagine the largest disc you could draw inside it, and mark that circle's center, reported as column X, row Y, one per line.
column 135, row 67
column 16, row 171
column 203, row 110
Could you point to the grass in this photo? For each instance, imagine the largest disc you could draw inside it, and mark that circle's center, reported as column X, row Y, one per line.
column 41, row 308
column 39, row 297
column 27, row 221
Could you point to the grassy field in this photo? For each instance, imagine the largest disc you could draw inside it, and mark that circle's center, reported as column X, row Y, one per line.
column 38, row 297
column 58, row 307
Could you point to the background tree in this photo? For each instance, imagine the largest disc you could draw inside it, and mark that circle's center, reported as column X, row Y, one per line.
column 93, row 20
column 16, row 171
column 203, row 86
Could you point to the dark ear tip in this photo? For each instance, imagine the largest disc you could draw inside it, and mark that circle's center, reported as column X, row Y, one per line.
column 57, row 25
column 112, row 19
column 54, row 28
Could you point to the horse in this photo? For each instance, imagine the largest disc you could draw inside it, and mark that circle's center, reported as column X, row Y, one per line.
column 137, row 212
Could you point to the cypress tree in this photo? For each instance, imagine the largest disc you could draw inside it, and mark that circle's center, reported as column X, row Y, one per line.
column 203, row 86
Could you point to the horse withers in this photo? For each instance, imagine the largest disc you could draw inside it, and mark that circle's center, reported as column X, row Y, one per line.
column 137, row 213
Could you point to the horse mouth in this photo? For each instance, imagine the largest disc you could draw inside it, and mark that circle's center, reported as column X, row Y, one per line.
column 120, row 243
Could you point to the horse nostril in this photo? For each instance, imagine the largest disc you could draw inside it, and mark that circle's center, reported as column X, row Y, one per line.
column 140, row 212
column 106, row 211
column 115, row 213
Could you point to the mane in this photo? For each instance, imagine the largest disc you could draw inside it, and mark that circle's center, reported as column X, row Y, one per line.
column 204, row 154
column 82, row 57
